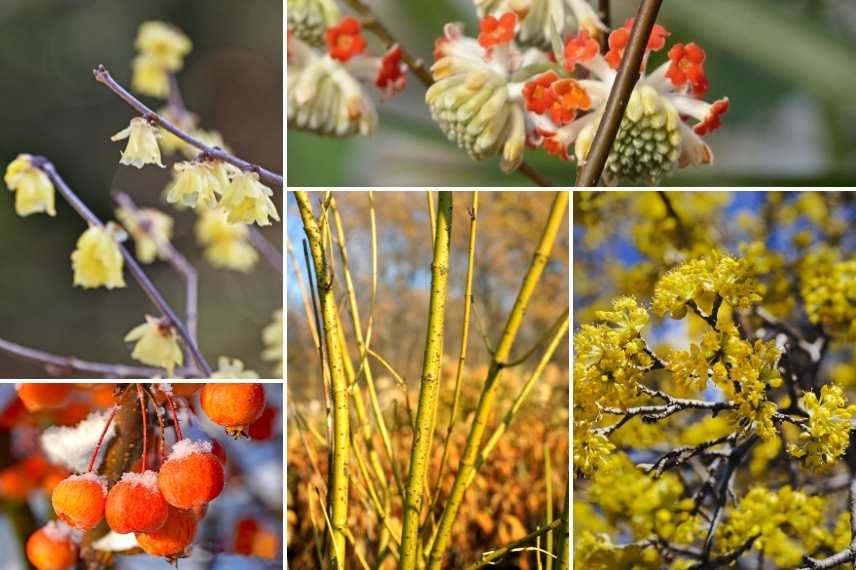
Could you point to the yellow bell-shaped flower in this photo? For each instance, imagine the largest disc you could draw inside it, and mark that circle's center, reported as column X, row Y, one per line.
column 142, row 145
column 165, row 44
column 157, row 344
column 225, row 243
column 34, row 191
column 248, row 200
column 97, row 260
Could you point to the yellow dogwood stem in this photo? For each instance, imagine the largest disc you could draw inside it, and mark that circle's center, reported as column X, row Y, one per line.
column 429, row 387
column 488, row 393
column 338, row 473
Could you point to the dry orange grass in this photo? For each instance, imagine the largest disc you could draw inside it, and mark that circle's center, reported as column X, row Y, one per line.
column 506, row 501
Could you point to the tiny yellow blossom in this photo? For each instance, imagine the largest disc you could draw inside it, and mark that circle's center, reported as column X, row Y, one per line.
column 248, row 200
column 97, row 260
column 148, row 227
column 232, row 369
column 194, row 185
column 272, row 338
column 149, row 77
column 827, row 435
column 225, row 243
column 164, row 43
column 142, row 145
column 34, row 190
column 157, row 344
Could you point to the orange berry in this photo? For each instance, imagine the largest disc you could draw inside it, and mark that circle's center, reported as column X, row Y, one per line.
column 15, row 484
column 101, row 395
column 191, row 475
column 38, row 397
column 79, row 500
column 52, row 548
column 135, row 504
column 234, row 406
column 174, row 536
column 262, row 428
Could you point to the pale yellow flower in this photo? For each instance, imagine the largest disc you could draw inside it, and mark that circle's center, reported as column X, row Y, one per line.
column 142, row 146
column 248, row 200
column 97, row 261
column 148, row 227
column 157, row 344
column 34, row 191
column 225, row 243
column 232, row 369
column 272, row 338
column 166, row 44
column 194, row 185
column 149, row 77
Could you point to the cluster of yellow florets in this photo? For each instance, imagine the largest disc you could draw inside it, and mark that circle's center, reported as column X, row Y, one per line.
column 649, row 506
column 827, row 435
column 611, row 357
column 788, row 523
column 150, row 229
column 701, row 281
column 743, row 372
column 226, row 244
column 690, row 368
column 591, row 447
column 828, row 287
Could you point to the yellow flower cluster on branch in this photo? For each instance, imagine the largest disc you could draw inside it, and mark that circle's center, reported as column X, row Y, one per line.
column 156, row 344
column 828, row 288
column 827, row 435
column 787, row 522
column 700, row 281
column 611, row 356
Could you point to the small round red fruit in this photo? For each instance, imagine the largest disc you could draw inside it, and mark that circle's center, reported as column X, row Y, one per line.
column 52, row 547
column 233, row 406
column 191, row 476
column 39, row 397
column 173, row 538
column 79, row 500
column 135, row 504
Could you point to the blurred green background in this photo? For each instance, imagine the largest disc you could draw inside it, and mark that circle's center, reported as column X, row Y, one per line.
column 788, row 66
column 51, row 105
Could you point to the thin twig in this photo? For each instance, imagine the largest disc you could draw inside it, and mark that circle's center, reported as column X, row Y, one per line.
column 103, row 76
column 268, row 251
column 683, row 235
column 137, row 272
column 60, row 365
column 487, row 559
column 619, row 95
column 173, row 257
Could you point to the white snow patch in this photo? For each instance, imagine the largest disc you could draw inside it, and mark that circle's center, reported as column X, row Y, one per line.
column 147, row 479
column 58, row 531
column 166, row 388
column 90, row 476
column 115, row 542
column 72, row 447
column 187, row 447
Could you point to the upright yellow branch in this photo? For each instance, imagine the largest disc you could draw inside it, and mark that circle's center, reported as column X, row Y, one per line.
column 429, row 387
column 338, row 472
column 488, row 393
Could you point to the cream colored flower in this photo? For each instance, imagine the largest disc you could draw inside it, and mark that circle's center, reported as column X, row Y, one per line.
column 225, row 243
column 156, row 344
column 232, row 369
column 248, row 200
column 34, row 190
column 194, row 185
column 164, row 43
column 142, row 145
column 97, row 261
column 149, row 77
column 148, row 227
column 272, row 338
